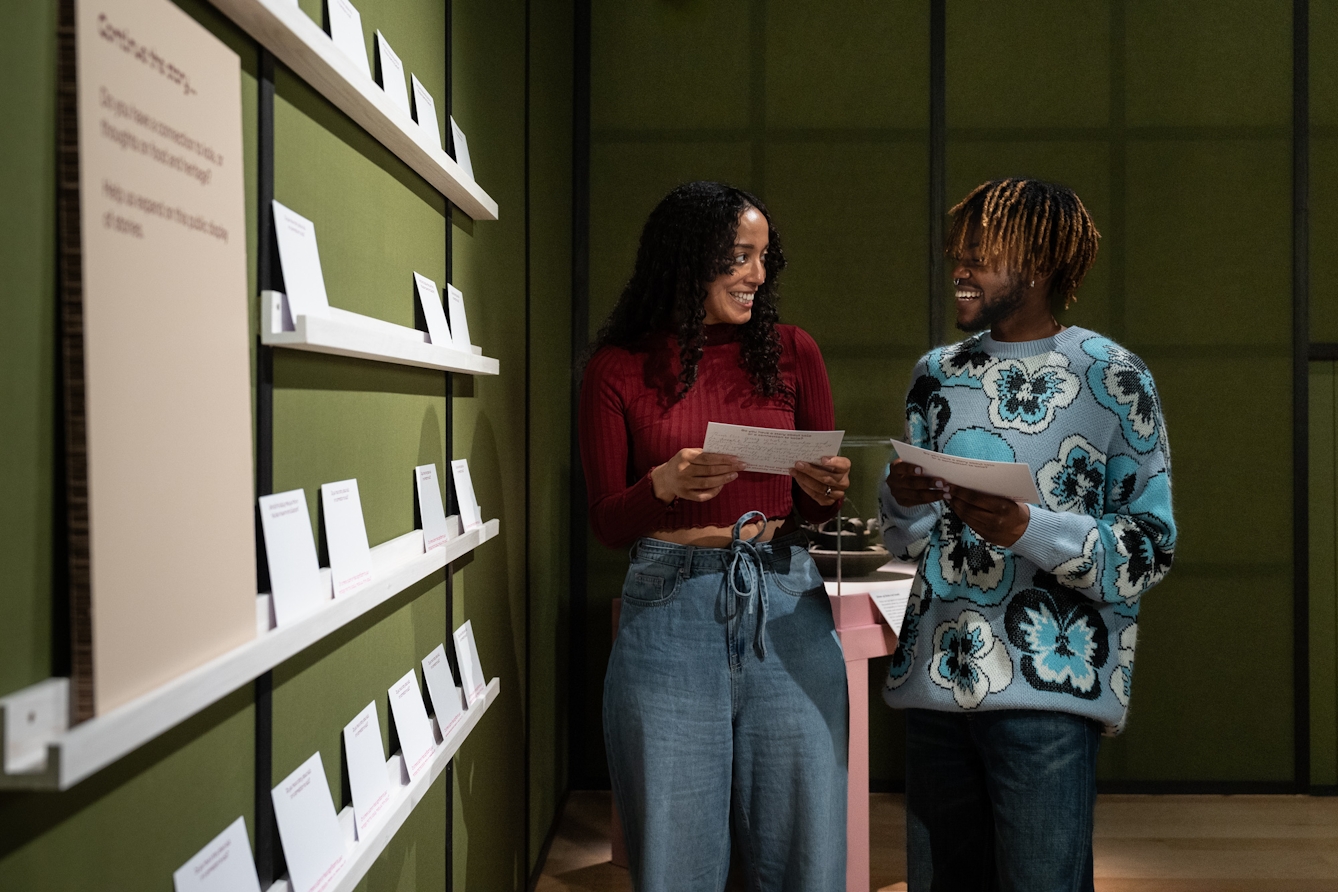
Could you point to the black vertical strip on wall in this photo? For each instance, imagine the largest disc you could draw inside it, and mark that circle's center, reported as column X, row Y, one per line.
column 1301, row 389
column 577, row 720
column 269, row 863
column 938, row 162
column 449, row 449
column 528, row 592
column 74, row 547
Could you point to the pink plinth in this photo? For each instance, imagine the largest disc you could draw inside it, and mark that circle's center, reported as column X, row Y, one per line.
column 863, row 637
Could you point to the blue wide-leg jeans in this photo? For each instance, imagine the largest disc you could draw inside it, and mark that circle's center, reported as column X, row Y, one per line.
column 726, row 698
column 1000, row 801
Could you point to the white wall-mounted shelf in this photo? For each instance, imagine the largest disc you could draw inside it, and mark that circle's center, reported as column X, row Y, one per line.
column 303, row 46
column 350, row 334
column 40, row 753
column 360, row 855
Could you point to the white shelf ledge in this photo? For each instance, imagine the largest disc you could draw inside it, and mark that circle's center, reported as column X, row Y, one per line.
column 350, row 334
column 300, row 44
column 360, row 855
column 41, row 753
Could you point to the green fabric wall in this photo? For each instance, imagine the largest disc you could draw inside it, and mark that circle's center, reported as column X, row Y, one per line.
column 28, row 354
column 1172, row 121
column 1324, row 573
column 1323, row 395
column 334, row 418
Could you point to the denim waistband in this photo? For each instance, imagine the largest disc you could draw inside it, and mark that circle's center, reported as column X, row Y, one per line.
column 744, row 563
column 710, row 560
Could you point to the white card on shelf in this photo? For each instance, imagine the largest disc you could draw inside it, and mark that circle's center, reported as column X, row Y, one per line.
column 367, row 777
column 470, row 513
column 447, row 700
column 301, row 261
column 290, row 553
column 392, row 75
column 346, row 32
column 346, row 538
column 224, row 865
column 459, row 325
column 411, row 721
column 313, row 845
column 436, row 532
column 438, row 332
column 471, row 670
column 461, row 149
column 425, row 113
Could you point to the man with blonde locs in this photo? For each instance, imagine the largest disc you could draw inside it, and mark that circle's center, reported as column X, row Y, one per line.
column 1017, row 649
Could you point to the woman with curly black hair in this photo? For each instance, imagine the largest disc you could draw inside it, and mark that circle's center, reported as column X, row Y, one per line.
column 725, row 694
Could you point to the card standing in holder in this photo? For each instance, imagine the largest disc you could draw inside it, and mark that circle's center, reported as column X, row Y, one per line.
column 436, row 530
column 224, row 865
column 447, row 700
column 313, row 844
column 471, row 515
column 290, row 554
column 471, row 668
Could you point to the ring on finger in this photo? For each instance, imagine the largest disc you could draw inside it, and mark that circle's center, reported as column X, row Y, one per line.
column 828, row 493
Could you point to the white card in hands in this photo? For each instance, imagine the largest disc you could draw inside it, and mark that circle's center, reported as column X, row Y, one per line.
column 447, row 700
column 1011, row 480
column 471, row 669
column 303, row 282
column 346, row 32
column 346, row 538
column 471, row 515
column 425, row 113
column 459, row 325
column 313, row 845
column 392, row 75
column 438, row 332
column 461, row 149
column 436, row 532
column 367, row 777
column 290, row 554
column 412, row 724
column 769, row 450
column 224, row 865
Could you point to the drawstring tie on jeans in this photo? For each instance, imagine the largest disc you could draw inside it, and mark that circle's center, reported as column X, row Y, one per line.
column 747, row 576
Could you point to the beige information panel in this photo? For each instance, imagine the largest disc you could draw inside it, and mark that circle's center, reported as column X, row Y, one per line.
column 165, row 345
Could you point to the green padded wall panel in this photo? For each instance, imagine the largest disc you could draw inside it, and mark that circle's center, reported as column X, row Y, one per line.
column 1035, row 66
column 28, row 346
column 550, row 50
column 134, row 823
column 1323, row 172
column 489, row 430
column 1323, row 573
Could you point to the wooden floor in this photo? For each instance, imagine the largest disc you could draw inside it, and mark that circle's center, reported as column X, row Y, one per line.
column 1144, row 843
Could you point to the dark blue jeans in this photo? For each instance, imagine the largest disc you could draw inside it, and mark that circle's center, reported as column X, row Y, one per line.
column 1000, row 801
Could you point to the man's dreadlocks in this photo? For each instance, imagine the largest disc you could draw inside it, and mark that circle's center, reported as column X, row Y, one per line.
column 1031, row 228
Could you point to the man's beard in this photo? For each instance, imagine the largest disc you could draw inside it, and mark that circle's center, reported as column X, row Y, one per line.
column 995, row 309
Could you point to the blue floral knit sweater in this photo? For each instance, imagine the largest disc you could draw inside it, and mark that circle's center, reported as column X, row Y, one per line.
column 1051, row 622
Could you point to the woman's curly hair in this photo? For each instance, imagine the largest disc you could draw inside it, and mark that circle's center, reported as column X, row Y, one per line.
column 687, row 242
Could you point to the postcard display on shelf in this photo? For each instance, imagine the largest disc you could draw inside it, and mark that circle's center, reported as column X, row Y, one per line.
column 165, row 349
column 169, row 453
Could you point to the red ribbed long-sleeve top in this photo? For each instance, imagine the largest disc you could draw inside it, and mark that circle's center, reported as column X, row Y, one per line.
column 630, row 425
